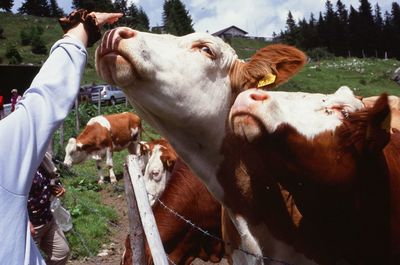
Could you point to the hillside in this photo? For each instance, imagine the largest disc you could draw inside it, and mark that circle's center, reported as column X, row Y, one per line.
column 365, row 76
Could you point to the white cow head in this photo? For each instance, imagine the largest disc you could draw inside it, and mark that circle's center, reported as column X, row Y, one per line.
column 256, row 111
column 74, row 153
column 184, row 86
column 161, row 161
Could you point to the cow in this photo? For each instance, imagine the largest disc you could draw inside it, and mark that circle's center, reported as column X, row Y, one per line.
column 341, row 167
column 102, row 136
column 184, row 88
column 186, row 196
column 159, row 159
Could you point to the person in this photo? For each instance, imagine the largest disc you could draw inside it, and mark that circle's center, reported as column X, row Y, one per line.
column 44, row 229
column 1, row 107
column 15, row 97
column 25, row 137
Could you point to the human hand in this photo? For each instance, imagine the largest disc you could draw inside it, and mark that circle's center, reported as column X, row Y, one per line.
column 57, row 191
column 106, row 18
column 32, row 229
column 86, row 26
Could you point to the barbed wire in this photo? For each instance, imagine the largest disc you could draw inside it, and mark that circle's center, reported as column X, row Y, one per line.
column 259, row 257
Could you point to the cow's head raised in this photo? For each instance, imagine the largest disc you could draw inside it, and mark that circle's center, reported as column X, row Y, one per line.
column 188, row 82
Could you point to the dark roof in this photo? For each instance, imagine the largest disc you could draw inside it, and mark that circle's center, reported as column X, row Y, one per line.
column 222, row 31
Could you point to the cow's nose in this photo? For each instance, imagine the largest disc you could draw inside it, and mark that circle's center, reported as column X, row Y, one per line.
column 258, row 95
column 125, row 33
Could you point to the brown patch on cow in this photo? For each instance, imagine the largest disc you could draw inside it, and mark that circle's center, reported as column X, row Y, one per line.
column 281, row 60
column 96, row 137
column 344, row 184
column 168, row 156
column 189, row 197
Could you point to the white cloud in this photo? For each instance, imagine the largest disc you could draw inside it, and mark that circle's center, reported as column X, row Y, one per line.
column 257, row 17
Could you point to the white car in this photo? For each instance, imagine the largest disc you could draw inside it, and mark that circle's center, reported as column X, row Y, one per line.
column 107, row 94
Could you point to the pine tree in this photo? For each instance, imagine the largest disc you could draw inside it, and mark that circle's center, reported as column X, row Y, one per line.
column 292, row 31
column 55, row 10
column 6, row 5
column 35, row 7
column 176, row 19
column 395, row 23
column 121, row 6
column 91, row 5
column 366, row 29
column 144, row 23
column 342, row 31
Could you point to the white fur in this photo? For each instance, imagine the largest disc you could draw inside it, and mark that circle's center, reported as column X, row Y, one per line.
column 156, row 176
column 100, row 120
column 309, row 113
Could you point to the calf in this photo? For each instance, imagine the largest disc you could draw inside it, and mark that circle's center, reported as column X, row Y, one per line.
column 342, row 168
column 186, row 196
column 102, row 136
column 161, row 158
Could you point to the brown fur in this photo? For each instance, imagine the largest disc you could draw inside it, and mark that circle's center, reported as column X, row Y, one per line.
column 96, row 137
column 345, row 185
column 281, row 60
column 189, row 197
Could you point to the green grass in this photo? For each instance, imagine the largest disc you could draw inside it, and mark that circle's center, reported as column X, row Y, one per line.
column 366, row 77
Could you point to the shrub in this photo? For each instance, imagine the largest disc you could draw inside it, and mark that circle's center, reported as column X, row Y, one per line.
column 38, row 46
column 1, row 33
column 12, row 54
column 26, row 36
column 320, row 53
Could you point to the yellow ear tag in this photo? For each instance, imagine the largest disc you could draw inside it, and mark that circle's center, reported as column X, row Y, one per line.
column 267, row 80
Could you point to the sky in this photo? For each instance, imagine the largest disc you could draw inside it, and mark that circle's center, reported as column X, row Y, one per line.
column 257, row 17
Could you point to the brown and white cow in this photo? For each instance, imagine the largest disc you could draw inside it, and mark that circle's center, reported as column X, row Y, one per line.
column 185, row 195
column 184, row 88
column 102, row 136
column 344, row 176
column 159, row 158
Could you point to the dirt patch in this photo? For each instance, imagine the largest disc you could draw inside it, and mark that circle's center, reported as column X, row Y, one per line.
column 115, row 198
column 115, row 247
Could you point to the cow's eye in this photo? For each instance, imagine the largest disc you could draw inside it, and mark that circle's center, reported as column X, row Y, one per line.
column 207, row 51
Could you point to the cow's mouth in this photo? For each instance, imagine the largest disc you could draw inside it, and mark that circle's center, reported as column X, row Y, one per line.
column 246, row 126
column 115, row 68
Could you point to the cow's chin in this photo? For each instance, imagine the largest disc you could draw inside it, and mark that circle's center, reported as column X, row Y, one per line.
column 246, row 126
column 115, row 69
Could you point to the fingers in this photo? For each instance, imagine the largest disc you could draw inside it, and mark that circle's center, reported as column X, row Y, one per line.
column 107, row 18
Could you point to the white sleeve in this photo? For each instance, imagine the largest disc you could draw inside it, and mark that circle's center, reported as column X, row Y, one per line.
column 25, row 133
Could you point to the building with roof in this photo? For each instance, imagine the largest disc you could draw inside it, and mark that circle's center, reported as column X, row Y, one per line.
column 230, row 32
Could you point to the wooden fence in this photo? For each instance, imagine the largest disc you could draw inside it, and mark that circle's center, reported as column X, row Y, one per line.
column 141, row 218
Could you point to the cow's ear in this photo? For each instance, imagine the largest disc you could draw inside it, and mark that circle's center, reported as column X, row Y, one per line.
column 369, row 129
column 273, row 65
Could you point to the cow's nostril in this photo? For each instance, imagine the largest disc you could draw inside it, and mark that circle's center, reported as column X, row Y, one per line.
column 258, row 96
column 126, row 33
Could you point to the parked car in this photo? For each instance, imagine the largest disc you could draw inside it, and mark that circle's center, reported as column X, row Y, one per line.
column 107, row 94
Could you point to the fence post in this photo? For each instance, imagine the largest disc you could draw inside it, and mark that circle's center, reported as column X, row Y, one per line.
column 99, row 103
column 77, row 115
column 62, row 134
column 146, row 213
column 136, row 233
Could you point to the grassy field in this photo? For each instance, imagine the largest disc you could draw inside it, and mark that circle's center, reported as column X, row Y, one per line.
column 91, row 218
